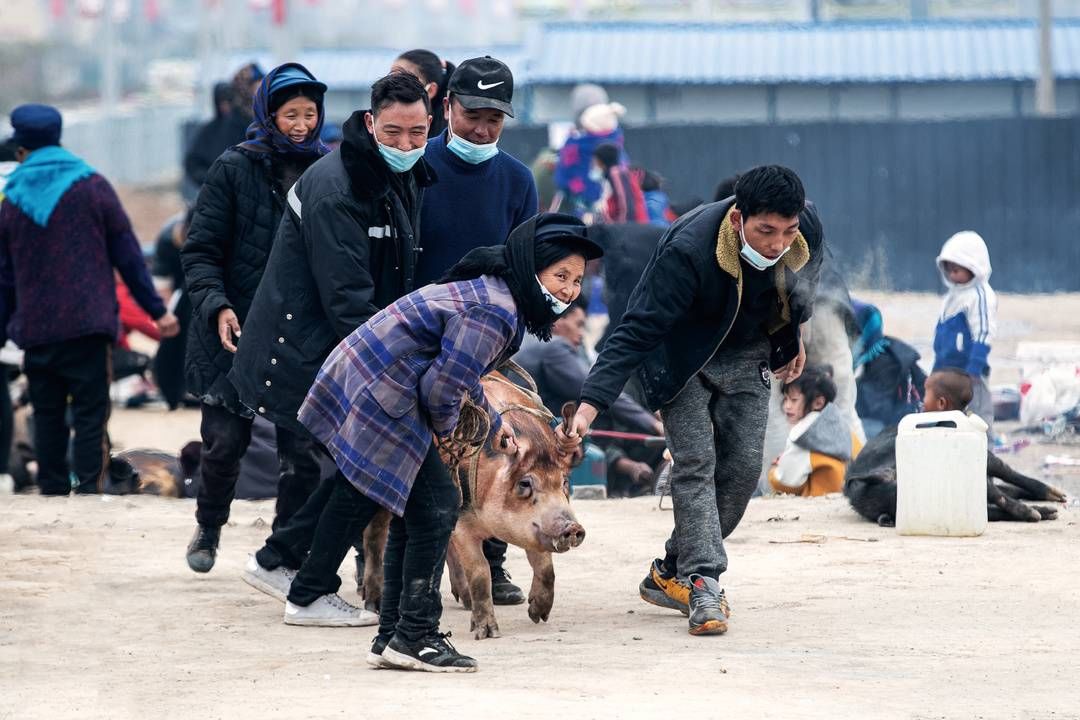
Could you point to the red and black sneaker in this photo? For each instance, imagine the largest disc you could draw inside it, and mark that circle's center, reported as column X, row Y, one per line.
column 708, row 607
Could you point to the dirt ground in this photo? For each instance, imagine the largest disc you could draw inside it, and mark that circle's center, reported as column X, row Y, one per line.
column 833, row 617
column 102, row 619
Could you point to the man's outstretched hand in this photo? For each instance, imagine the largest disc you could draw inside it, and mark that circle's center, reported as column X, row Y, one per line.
column 569, row 438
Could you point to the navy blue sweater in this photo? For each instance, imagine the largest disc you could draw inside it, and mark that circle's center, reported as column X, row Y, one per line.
column 470, row 206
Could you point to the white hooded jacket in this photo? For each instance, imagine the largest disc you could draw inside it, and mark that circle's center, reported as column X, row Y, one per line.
column 968, row 320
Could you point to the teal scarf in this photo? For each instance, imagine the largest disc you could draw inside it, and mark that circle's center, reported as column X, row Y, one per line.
column 36, row 186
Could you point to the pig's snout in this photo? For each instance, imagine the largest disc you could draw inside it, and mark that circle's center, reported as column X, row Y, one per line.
column 571, row 536
column 574, row 534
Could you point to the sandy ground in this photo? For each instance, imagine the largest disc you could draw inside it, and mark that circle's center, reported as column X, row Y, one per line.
column 103, row 619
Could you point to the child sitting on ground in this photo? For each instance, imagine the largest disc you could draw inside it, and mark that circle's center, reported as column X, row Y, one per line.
column 871, row 479
column 820, row 444
column 968, row 318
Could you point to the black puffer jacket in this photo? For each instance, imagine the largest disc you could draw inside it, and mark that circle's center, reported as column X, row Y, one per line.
column 228, row 244
column 687, row 301
column 345, row 249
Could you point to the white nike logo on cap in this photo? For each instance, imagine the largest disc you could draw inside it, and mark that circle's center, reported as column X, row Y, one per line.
column 480, row 84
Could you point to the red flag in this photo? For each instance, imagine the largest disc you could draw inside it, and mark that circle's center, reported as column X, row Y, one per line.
column 151, row 10
column 58, row 8
column 278, row 12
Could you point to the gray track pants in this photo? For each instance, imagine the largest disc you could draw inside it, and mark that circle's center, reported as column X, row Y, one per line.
column 715, row 430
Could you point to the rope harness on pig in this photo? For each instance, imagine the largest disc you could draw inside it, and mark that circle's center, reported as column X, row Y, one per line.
column 474, row 428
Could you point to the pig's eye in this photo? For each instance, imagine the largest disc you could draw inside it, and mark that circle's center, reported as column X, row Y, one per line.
column 524, row 487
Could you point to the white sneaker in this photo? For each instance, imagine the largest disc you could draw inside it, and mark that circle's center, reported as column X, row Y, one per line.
column 274, row 583
column 329, row 611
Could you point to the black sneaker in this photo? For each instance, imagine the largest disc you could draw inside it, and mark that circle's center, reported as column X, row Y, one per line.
column 202, row 551
column 434, row 653
column 708, row 607
column 375, row 655
column 504, row 592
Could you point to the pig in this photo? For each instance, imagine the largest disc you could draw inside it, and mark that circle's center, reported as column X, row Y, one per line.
column 523, row 500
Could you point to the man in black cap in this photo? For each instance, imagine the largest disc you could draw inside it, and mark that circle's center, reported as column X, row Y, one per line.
column 483, row 193
column 62, row 233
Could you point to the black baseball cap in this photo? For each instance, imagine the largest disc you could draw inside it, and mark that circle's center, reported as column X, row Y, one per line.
column 483, row 83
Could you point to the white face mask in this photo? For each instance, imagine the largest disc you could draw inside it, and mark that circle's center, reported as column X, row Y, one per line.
column 752, row 256
column 557, row 305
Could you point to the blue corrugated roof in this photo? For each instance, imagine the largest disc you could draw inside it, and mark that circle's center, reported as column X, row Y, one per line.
column 852, row 52
column 657, row 53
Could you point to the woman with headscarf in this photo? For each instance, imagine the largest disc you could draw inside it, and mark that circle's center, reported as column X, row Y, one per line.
column 229, row 240
column 401, row 386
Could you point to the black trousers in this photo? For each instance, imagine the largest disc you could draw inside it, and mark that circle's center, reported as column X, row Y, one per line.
column 345, row 512
column 416, row 553
column 7, row 420
column 169, row 359
column 226, row 437
column 76, row 373
column 495, row 552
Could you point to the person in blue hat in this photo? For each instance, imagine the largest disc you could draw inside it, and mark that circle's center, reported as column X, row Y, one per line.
column 228, row 244
column 63, row 232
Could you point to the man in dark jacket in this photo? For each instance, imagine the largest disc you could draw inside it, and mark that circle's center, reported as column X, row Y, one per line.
column 721, row 304
column 62, row 232
column 346, row 248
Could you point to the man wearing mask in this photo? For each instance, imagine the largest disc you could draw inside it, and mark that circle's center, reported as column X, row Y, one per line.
column 345, row 248
column 717, row 314
column 483, row 193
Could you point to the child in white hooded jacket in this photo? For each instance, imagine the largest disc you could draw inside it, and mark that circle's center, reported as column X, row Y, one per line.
column 968, row 319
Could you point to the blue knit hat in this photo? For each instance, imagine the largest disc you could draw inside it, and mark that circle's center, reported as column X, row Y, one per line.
column 36, row 126
column 291, row 75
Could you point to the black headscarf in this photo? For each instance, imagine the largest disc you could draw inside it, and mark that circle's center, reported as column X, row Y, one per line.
column 535, row 244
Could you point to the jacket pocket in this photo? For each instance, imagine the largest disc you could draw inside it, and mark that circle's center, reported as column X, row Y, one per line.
column 394, row 398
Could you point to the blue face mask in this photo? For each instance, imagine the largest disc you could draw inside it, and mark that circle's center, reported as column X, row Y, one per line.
column 400, row 161
column 752, row 256
column 557, row 305
column 471, row 152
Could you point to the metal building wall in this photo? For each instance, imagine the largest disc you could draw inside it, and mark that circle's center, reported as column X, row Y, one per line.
column 890, row 193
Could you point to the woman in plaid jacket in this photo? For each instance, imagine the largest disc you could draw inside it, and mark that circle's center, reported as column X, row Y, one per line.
column 395, row 385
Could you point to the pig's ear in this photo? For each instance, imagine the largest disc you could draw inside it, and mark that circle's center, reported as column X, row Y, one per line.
column 568, row 410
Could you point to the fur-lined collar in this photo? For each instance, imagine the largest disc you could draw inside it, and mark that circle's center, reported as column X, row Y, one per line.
column 728, row 247
column 727, row 256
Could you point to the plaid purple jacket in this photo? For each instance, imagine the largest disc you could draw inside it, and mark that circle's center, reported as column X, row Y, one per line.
column 400, row 378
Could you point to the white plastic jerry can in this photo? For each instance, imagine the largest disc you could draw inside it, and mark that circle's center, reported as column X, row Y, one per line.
column 941, row 474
